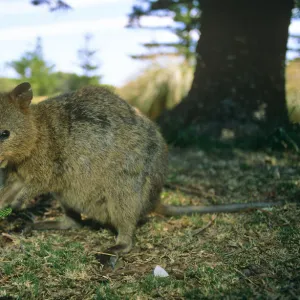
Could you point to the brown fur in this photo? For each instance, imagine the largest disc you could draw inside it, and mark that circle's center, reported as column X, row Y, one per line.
column 98, row 155
column 91, row 149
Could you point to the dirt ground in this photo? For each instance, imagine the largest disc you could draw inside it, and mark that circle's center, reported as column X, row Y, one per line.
column 249, row 255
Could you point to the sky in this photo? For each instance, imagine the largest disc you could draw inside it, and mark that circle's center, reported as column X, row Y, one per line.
column 62, row 34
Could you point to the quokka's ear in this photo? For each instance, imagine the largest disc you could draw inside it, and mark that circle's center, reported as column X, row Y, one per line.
column 22, row 95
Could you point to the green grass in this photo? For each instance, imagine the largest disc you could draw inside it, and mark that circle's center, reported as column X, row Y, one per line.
column 250, row 255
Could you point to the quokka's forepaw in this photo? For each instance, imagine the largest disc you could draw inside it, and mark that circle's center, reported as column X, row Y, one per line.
column 107, row 259
column 27, row 231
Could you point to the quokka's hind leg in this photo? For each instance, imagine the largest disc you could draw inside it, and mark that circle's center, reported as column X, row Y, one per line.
column 124, row 239
column 124, row 221
column 70, row 220
column 123, row 245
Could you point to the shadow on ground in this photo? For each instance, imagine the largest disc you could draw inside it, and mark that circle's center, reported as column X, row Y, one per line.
column 231, row 256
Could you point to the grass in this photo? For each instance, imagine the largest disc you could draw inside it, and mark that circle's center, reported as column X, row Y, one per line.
column 158, row 87
column 251, row 255
column 38, row 99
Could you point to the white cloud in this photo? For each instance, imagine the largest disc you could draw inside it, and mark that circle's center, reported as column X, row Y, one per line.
column 22, row 7
column 195, row 34
column 89, row 3
column 156, row 21
column 61, row 28
column 16, row 7
column 294, row 27
column 71, row 27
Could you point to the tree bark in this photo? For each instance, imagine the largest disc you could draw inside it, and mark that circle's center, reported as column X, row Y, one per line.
column 239, row 77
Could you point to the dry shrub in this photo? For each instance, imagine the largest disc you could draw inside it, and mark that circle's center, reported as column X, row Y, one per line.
column 293, row 89
column 158, row 88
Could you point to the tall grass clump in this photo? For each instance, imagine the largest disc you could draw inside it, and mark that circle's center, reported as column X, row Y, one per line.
column 292, row 87
column 158, row 88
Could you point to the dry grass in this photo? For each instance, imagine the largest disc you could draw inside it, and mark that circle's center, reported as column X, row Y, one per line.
column 38, row 99
column 236, row 256
column 158, row 88
column 292, row 73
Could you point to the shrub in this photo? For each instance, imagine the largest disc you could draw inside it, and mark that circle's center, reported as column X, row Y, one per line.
column 158, row 88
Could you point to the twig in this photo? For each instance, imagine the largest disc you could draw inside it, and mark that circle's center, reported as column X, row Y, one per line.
column 104, row 253
column 264, row 211
column 8, row 236
column 245, row 277
column 186, row 190
column 200, row 230
column 252, row 282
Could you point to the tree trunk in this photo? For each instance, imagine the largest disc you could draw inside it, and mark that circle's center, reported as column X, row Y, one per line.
column 239, row 77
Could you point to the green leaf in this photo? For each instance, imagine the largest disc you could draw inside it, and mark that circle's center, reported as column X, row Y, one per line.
column 5, row 212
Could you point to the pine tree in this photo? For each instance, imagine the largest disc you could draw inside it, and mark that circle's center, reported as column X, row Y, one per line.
column 53, row 4
column 186, row 17
column 87, row 57
column 34, row 68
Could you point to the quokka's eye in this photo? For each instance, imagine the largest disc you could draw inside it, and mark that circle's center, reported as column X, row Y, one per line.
column 4, row 134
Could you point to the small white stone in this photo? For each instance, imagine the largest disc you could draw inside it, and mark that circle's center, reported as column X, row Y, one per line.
column 160, row 272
